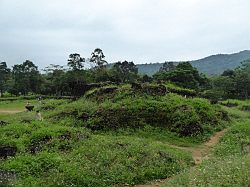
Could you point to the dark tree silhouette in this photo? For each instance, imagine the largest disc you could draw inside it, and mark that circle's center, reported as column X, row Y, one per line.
column 26, row 78
column 4, row 75
column 97, row 57
column 75, row 61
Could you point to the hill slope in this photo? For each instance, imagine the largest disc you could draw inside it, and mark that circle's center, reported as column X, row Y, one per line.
column 211, row 65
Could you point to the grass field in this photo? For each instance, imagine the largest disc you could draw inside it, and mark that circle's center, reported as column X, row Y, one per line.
column 63, row 152
column 16, row 105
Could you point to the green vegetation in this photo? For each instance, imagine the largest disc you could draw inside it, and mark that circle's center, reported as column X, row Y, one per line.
column 231, row 84
column 76, row 80
column 118, row 128
column 216, row 64
column 186, row 117
column 230, row 163
column 183, row 75
column 106, row 138
column 15, row 105
column 62, row 154
column 233, row 171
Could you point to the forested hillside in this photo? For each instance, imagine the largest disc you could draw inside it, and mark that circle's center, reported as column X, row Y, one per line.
column 211, row 65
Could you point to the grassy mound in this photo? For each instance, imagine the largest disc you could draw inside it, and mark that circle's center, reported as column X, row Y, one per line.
column 185, row 116
column 115, row 135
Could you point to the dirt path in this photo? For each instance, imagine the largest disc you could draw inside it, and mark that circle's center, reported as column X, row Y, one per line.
column 199, row 153
column 3, row 111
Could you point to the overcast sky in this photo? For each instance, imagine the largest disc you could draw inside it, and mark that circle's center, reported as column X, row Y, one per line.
column 47, row 31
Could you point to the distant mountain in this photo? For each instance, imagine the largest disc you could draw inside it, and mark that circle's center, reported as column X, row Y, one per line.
column 211, row 65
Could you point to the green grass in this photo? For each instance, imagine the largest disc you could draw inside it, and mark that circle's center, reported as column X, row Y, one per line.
column 16, row 104
column 236, row 141
column 186, row 117
column 230, row 163
column 157, row 134
column 236, row 112
column 3, row 115
column 85, row 159
column 64, row 153
column 233, row 171
column 239, row 102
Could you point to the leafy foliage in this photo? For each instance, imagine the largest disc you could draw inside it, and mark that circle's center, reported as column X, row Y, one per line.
column 4, row 75
column 233, row 83
column 26, row 78
column 124, row 71
column 98, row 57
column 183, row 75
column 75, row 61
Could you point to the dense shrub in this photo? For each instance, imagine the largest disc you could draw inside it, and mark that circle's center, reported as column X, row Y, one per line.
column 102, row 93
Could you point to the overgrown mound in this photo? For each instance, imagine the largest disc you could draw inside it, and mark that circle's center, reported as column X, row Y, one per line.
column 114, row 92
column 187, row 117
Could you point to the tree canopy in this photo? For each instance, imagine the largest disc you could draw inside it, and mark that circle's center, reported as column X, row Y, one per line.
column 75, row 61
column 25, row 78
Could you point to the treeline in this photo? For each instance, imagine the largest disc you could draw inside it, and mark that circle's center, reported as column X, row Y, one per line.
column 231, row 83
column 76, row 79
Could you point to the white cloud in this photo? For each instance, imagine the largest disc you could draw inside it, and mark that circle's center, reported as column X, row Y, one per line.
column 139, row 30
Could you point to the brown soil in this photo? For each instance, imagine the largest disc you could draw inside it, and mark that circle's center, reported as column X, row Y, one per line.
column 199, row 153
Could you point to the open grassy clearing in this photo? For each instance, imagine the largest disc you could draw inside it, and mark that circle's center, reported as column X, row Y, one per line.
column 15, row 106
